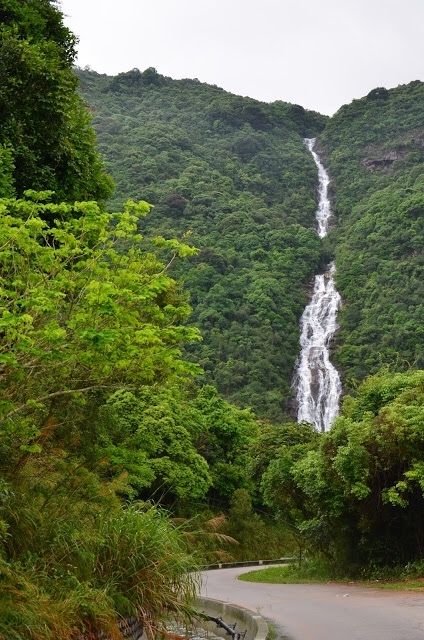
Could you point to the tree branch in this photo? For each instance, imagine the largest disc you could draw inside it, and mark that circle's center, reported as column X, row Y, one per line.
column 56, row 394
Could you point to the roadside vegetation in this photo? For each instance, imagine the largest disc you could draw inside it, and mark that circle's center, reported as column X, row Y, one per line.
column 140, row 440
column 316, row 571
column 309, row 572
column 355, row 493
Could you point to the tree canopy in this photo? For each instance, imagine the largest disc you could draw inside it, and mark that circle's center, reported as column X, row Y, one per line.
column 356, row 493
column 46, row 138
column 374, row 149
column 234, row 174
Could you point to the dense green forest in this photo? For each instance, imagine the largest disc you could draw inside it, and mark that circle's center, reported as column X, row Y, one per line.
column 355, row 493
column 123, row 467
column 342, row 481
column 234, row 174
column 100, row 420
column 156, row 133
column 374, row 149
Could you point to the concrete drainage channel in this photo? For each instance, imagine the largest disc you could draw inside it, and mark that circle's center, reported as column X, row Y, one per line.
column 216, row 618
column 244, row 623
column 227, row 620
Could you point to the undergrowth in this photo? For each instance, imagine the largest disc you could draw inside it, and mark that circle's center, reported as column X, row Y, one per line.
column 317, row 570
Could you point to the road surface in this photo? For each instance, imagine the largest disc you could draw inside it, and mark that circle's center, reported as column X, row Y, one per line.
column 323, row 611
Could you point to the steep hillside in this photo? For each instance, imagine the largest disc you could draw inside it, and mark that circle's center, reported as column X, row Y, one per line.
column 374, row 149
column 234, row 173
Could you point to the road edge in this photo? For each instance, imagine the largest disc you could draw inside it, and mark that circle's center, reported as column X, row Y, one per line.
column 247, row 620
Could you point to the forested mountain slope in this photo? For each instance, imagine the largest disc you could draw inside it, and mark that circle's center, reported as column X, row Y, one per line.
column 101, row 413
column 235, row 174
column 374, row 149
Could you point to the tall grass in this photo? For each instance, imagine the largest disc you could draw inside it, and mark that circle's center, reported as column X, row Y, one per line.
column 73, row 559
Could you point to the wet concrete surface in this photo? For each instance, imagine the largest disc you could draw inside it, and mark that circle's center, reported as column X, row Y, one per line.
column 323, row 611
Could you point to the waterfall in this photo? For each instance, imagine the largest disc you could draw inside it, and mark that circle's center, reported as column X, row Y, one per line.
column 317, row 382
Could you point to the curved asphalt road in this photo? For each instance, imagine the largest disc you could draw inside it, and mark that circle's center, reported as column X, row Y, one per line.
column 323, row 612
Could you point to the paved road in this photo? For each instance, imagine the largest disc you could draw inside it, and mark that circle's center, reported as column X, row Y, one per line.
column 323, row 612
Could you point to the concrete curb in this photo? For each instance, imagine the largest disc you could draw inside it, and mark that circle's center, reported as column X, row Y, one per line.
column 246, row 620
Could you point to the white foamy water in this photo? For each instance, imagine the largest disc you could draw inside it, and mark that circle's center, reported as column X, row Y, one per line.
column 323, row 212
column 317, row 382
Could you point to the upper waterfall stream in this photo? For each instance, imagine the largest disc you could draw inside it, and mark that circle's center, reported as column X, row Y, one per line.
column 317, row 382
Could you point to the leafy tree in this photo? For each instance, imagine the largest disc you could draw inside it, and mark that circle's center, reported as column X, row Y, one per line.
column 79, row 315
column 224, row 442
column 275, row 454
column 151, row 435
column 82, row 319
column 44, row 125
column 357, row 494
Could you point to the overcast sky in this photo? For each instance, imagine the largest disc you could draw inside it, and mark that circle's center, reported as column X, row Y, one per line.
column 317, row 53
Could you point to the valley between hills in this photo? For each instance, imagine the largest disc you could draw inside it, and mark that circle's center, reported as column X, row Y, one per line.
column 158, row 253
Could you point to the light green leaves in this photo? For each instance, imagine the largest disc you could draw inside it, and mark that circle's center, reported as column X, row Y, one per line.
column 86, row 304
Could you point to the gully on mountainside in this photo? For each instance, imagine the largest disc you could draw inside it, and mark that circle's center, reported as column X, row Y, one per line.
column 317, row 382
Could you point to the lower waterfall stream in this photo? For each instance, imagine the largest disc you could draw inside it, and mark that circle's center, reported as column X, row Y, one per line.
column 317, row 382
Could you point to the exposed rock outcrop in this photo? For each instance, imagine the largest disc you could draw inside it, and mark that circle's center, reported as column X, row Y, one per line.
column 384, row 161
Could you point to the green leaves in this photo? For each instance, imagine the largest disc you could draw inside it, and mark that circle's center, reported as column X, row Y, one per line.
column 233, row 177
column 91, row 375
column 375, row 158
column 77, row 312
column 357, row 492
column 46, row 141
column 150, row 434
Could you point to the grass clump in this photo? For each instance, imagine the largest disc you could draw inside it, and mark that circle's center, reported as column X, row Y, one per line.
column 409, row 577
column 74, row 560
column 316, row 571
column 312, row 571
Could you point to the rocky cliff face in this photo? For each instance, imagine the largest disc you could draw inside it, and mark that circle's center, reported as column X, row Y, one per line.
column 383, row 162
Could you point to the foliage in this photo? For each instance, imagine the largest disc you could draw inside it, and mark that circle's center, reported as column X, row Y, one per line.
column 44, row 125
column 97, row 409
column 357, row 495
column 205, row 534
column 74, row 560
column 39, row 21
column 311, row 571
column 185, row 447
column 274, row 454
column 224, row 441
column 79, row 315
column 317, row 570
column 83, row 324
column 235, row 174
column 259, row 536
column 151, row 435
column 97, row 406
column 374, row 149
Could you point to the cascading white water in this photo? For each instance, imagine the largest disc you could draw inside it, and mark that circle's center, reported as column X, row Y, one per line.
column 323, row 212
column 317, row 381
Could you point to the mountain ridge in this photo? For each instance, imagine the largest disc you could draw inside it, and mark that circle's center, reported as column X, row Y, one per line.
column 235, row 174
